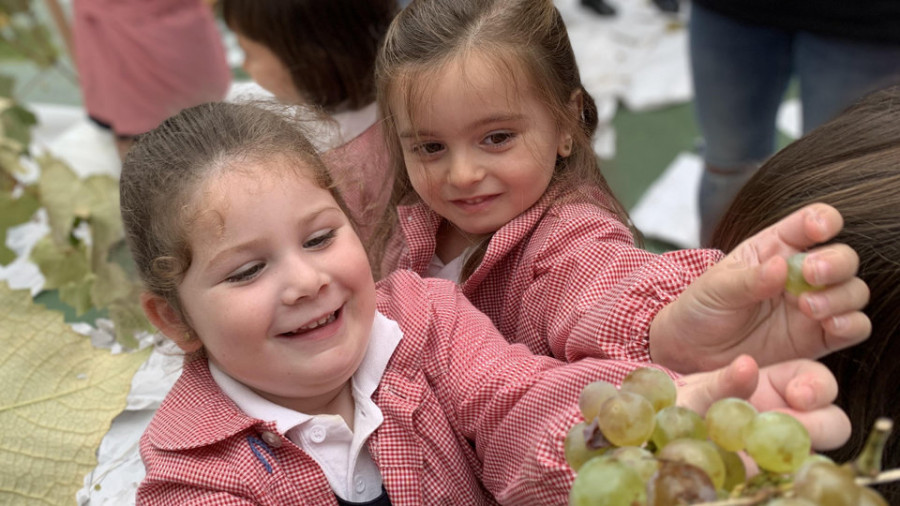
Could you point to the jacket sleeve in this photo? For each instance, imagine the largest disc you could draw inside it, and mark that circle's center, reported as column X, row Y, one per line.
column 603, row 290
column 516, row 406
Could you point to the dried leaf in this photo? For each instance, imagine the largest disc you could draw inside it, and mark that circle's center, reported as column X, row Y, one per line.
column 58, row 399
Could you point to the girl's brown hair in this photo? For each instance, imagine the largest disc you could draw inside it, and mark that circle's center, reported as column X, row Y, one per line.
column 328, row 46
column 525, row 38
column 853, row 164
column 167, row 168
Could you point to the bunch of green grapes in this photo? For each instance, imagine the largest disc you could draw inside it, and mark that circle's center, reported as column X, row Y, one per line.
column 638, row 448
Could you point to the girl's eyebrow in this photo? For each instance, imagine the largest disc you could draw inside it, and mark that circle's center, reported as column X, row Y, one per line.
column 487, row 120
column 254, row 243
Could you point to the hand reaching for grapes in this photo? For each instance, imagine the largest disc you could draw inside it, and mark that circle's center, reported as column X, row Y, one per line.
column 740, row 304
column 803, row 388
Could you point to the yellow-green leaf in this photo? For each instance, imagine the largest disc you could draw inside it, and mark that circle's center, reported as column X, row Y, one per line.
column 129, row 319
column 77, row 294
column 58, row 398
column 17, row 123
column 60, row 263
column 10, row 153
column 13, row 212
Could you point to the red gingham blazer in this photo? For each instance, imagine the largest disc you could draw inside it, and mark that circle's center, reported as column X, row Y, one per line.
column 469, row 419
column 565, row 278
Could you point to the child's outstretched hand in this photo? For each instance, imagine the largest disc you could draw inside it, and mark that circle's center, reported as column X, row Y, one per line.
column 740, row 306
column 803, row 388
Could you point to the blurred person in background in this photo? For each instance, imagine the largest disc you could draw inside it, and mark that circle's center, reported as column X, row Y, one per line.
column 141, row 61
column 744, row 54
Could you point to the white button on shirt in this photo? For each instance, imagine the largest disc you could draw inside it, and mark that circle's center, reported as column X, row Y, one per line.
column 317, row 434
column 341, row 453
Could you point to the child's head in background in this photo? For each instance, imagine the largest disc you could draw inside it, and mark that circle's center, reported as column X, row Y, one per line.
column 484, row 110
column 246, row 253
column 312, row 52
column 853, row 164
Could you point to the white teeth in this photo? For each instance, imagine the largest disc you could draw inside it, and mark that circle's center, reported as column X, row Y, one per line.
column 323, row 321
column 474, row 201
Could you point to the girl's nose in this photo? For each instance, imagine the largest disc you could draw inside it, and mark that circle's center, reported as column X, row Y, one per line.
column 302, row 280
column 464, row 171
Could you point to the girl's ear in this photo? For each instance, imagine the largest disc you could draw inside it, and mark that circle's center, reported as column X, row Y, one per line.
column 166, row 319
column 576, row 104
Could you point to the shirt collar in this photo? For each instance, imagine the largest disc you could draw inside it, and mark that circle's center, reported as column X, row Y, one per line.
column 383, row 340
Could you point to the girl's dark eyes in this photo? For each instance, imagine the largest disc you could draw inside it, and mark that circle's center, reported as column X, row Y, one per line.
column 246, row 274
column 498, row 138
column 321, row 240
column 428, row 148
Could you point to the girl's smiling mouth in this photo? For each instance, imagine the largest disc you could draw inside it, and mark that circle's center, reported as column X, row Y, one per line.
column 314, row 325
column 475, row 203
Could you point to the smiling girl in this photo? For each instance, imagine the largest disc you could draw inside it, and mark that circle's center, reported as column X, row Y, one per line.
column 497, row 188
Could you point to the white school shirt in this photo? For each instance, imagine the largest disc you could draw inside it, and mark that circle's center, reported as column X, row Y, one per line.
column 341, row 453
column 451, row 270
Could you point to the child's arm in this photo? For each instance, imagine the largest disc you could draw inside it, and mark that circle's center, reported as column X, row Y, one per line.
column 740, row 306
column 518, row 407
column 587, row 290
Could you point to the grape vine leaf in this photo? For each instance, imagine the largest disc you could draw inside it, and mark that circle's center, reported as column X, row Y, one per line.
column 14, row 211
column 58, row 399
column 17, row 123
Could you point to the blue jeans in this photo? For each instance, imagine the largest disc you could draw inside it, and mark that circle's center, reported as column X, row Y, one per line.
column 741, row 72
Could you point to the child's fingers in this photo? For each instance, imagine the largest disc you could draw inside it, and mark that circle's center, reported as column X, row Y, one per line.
column 850, row 296
column 830, row 264
column 846, row 330
column 828, row 427
column 802, row 384
column 737, row 379
column 806, row 227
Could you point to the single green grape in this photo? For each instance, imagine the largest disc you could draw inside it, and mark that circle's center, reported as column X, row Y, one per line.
column 827, row 485
column 726, row 420
column 790, row 501
column 871, row 497
column 655, row 385
column 813, row 458
column 593, row 395
column 735, row 472
column 604, row 481
column 796, row 283
column 626, row 419
column 676, row 422
column 679, row 483
column 702, row 454
column 639, row 459
column 577, row 451
column 777, row 442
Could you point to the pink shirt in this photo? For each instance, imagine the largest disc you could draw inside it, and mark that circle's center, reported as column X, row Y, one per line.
column 563, row 278
column 452, row 381
column 360, row 169
column 141, row 61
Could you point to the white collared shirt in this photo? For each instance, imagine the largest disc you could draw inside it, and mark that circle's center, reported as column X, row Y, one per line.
column 340, row 452
column 451, row 270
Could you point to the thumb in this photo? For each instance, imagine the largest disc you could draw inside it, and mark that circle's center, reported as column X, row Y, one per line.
column 737, row 379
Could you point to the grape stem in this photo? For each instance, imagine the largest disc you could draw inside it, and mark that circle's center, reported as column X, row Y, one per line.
column 763, row 496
